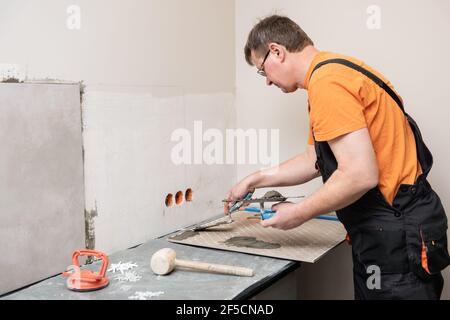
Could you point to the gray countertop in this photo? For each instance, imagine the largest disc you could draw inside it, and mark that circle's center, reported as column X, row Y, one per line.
column 178, row 285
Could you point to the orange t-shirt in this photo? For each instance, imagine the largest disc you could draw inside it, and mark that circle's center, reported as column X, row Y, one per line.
column 343, row 100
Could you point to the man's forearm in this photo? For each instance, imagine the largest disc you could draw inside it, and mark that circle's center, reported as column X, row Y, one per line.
column 295, row 171
column 341, row 190
column 357, row 173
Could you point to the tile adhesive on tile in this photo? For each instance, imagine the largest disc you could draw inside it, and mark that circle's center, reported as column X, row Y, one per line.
column 251, row 242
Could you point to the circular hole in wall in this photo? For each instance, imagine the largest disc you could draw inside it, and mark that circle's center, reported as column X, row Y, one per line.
column 179, row 197
column 169, row 200
column 188, row 194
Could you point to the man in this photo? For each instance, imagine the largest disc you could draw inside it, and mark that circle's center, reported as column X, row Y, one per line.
column 372, row 160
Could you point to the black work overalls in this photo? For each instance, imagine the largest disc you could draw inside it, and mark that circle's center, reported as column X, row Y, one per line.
column 406, row 240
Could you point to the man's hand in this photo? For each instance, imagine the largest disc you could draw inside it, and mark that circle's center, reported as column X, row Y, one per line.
column 288, row 216
column 236, row 193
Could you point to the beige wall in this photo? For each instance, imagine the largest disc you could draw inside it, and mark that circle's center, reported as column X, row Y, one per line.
column 410, row 49
column 138, row 42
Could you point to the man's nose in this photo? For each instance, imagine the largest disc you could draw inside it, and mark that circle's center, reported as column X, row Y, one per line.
column 268, row 82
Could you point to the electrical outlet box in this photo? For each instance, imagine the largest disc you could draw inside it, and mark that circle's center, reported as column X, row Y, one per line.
column 12, row 72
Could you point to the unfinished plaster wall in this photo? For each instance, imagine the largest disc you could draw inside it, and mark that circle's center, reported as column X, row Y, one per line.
column 409, row 49
column 129, row 170
column 149, row 67
column 41, row 181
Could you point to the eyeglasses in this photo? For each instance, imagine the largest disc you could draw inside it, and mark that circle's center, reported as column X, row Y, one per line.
column 261, row 71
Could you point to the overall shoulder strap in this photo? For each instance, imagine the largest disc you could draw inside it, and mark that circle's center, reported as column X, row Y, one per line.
column 367, row 73
column 424, row 155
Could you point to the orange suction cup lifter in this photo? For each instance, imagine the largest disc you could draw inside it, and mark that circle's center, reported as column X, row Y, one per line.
column 87, row 280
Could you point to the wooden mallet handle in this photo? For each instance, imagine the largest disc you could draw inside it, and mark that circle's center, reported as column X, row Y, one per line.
column 216, row 268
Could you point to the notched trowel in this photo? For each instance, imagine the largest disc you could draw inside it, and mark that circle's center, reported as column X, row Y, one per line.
column 233, row 208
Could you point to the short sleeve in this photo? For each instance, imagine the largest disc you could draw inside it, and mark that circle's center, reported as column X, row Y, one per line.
column 335, row 108
column 310, row 136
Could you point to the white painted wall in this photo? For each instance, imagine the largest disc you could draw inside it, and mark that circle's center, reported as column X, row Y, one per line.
column 188, row 44
column 410, row 49
column 149, row 66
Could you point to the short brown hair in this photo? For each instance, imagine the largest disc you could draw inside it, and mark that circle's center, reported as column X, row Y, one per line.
column 279, row 29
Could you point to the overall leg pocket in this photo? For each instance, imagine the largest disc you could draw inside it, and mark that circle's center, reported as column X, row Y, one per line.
column 434, row 255
column 385, row 249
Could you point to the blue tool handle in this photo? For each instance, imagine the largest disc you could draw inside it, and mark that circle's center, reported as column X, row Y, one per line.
column 248, row 195
column 327, row 218
column 270, row 213
column 254, row 209
column 238, row 204
column 267, row 214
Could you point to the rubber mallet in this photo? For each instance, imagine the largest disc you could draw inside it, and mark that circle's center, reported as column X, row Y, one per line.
column 164, row 261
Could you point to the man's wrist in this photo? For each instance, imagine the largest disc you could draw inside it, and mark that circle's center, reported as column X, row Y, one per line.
column 302, row 213
column 254, row 180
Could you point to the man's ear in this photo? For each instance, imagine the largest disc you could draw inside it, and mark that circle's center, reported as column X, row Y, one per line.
column 278, row 50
